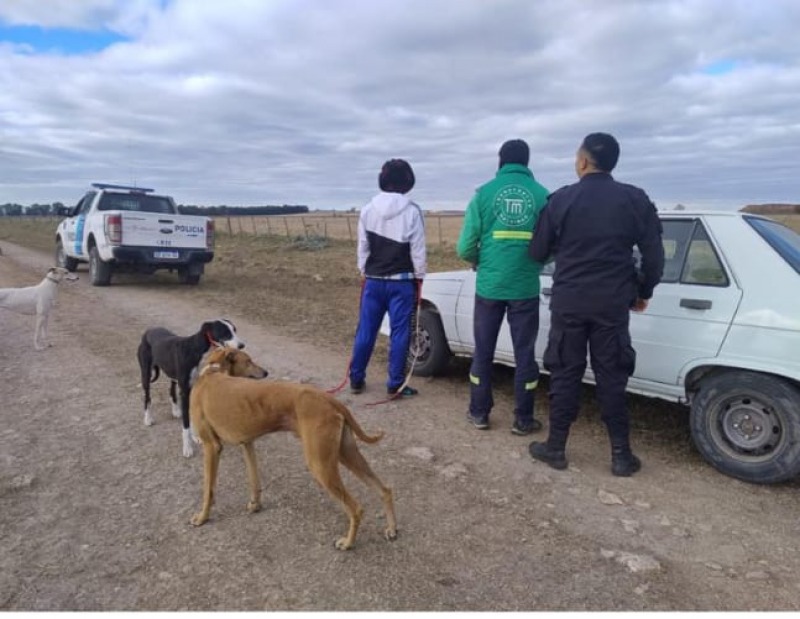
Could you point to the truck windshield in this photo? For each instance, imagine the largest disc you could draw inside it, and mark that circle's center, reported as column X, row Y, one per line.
column 783, row 239
column 135, row 202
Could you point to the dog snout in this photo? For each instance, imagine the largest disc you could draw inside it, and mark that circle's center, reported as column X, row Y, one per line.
column 240, row 345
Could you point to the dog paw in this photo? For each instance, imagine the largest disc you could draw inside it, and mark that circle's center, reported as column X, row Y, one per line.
column 253, row 507
column 343, row 544
column 390, row 534
column 188, row 448
column 198, row 520
column 148, row 418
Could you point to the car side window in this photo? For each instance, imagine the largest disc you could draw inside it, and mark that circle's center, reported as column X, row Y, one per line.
column 702, row 266
column 675, row 237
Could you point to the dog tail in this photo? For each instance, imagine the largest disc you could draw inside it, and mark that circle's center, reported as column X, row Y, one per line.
column 353, row 424
column 156, row 374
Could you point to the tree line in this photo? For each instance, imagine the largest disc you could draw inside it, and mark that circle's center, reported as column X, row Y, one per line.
column 51, row 210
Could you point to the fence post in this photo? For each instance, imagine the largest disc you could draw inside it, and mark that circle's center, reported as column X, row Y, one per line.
column 439, row 219
column 349, row 229
column 269, row 227
column 230, row 230
column 253, row 222
column 286, row 223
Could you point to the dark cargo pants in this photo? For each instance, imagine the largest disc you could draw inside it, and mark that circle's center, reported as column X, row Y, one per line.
column 613, row 360
column 523, row 322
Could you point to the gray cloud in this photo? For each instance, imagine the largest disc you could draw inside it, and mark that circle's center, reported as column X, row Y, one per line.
column 300, row 101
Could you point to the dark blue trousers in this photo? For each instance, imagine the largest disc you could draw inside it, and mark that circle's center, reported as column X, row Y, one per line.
column 613, row 361
column 379, row 296
column 523, row 322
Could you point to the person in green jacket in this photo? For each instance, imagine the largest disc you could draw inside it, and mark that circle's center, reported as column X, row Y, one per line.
column 498, row 227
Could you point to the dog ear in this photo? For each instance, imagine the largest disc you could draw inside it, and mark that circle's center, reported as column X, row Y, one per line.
column 230, row 356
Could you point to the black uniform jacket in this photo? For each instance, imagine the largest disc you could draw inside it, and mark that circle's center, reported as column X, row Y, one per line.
column 590, row 229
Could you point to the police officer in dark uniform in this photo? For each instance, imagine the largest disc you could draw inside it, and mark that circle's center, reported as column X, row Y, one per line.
column 590, row 229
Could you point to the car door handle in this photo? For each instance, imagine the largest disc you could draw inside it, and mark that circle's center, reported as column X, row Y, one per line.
column 547, row 291
column 701, row 304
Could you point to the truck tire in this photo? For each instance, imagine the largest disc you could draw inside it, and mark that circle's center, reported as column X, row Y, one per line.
column 747, row 425
column 63, row 260
column 429, row 344
column 190, row 275
column 99, row 271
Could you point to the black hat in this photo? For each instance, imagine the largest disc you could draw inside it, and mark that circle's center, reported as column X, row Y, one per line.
column 603, row 149
column 396, row 176
column 514, row 151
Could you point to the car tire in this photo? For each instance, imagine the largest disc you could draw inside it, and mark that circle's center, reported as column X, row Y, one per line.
column 747, row 425
column 99, row 270
column 430, row 345
column 63, row 260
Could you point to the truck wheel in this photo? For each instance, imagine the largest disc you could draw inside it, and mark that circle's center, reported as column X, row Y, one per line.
column 99, row 271
column 63, row 260
column 189, row 276
column 429, row 344
column 747, row 425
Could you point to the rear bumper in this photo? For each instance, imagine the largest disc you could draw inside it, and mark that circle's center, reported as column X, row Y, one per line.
column 158, row 257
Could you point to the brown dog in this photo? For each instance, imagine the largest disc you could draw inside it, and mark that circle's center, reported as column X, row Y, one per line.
column 227, row 407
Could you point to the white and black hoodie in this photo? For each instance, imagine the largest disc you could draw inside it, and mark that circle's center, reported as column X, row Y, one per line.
column 391, row 238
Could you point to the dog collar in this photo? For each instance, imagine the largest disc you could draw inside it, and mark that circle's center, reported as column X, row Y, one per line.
column 212, row 341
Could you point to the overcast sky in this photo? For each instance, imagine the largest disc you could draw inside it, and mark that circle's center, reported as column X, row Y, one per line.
column 247, row 102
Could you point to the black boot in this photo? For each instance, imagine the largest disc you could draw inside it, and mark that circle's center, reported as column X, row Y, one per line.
column 556, row 459
column 552, row 452
column 623, row 462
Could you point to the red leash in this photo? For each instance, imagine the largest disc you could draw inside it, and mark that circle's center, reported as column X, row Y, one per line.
column 341, row 385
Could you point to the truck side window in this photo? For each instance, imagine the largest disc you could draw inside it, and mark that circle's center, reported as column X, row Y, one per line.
column 703, row 266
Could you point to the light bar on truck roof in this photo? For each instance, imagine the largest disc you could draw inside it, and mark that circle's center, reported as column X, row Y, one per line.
column 124, row 187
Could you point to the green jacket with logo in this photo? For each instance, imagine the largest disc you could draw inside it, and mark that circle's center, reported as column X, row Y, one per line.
column 498, row 227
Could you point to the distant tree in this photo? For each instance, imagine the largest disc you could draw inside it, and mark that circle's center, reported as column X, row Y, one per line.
column 680, row 207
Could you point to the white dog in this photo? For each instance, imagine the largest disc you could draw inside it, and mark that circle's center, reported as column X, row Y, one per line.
column 36, row 300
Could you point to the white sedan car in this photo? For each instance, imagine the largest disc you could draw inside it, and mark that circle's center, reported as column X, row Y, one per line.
column 721, row 334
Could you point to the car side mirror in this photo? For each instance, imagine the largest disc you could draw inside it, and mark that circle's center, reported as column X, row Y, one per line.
column 64, row 211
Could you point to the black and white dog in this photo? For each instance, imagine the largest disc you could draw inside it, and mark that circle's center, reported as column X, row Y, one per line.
column 178, row 357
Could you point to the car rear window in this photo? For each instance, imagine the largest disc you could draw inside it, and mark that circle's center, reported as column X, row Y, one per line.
column 135, row 202
column 784, row 240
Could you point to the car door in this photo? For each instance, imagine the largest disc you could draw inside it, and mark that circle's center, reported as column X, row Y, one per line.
column 691, row 309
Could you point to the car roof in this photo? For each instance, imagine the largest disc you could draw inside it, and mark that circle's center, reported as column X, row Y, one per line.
column 708, row 213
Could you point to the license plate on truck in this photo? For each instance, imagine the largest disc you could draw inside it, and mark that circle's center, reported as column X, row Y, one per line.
column 172, row 255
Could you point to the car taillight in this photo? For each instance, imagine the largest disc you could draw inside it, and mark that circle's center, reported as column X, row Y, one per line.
column 210, row 234
column 114, row 229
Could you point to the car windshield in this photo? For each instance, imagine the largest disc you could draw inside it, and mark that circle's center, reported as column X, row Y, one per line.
column 784, row 240
column 135, row 202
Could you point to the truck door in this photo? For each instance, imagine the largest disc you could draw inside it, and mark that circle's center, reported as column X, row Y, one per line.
column 76, row 226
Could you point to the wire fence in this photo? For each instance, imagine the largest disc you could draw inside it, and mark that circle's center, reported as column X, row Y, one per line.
column 440, row 229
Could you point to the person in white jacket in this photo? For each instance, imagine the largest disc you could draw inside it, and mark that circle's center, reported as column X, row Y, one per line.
column 392, row 261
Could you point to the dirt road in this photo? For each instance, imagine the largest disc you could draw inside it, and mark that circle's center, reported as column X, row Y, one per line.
column 94, row 506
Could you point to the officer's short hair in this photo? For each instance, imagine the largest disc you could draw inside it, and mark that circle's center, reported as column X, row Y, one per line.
column 396, row 176
column 603, row 149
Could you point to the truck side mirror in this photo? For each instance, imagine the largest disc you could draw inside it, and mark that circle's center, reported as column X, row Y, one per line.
column 64, row 211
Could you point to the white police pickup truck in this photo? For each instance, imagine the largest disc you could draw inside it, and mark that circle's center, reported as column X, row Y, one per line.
column 116, row 228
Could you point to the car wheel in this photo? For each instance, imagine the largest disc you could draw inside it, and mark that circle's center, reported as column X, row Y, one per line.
column 62, row 260
column 430, row 345
column 99, row 271
column 747, row 425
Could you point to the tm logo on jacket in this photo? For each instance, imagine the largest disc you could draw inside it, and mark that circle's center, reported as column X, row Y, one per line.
column 514, row 206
